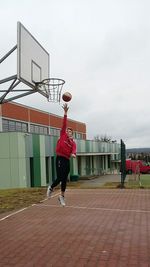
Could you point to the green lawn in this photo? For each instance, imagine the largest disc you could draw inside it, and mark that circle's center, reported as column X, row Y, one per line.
column 144, row 179
column 13, row 199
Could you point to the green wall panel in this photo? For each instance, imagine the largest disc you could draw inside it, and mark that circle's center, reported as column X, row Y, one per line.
column 21, row 145
column 4, row 145
column 14, row 173
column 13, row 145
column 5, row 173
column 83, row 166
column 22, row 172
column 36, row 161
column 49, row 146
column 43, row 171
column 87, row 146
column 28, row 145
column 28, row 177
column 42, row 145
column 80, row 146
column 73, row 166
column 43, row 160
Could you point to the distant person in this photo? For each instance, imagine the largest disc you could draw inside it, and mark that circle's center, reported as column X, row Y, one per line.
column 137, row 172
column 65, row 148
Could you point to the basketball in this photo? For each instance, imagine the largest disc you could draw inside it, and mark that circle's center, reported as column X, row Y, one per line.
column 66, row 96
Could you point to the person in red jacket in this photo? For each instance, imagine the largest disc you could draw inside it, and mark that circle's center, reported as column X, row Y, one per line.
column 65, row 148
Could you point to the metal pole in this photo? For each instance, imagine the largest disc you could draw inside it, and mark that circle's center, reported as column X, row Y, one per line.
column 9, row 89
column 8, row 79
column 19, row 96
column 12, row 50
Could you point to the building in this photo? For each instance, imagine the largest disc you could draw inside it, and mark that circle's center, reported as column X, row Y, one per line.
column 18, row 118
column 28, row 138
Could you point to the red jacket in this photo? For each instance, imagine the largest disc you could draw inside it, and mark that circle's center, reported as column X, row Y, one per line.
column 65, row 145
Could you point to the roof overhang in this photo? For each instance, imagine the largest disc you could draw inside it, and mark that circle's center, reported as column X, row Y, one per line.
column 95, row 154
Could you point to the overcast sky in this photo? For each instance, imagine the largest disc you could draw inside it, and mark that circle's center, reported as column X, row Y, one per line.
column 101, row 49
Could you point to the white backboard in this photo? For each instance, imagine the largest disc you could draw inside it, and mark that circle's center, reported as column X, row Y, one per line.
column 32, row 58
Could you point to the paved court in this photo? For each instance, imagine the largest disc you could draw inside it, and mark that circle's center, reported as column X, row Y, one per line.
column 97, row 228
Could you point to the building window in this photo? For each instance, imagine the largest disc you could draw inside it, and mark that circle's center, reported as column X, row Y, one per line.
column 79, row 136
column 45, row 130
column 32, row 128
column 18, row 126
column 55, row 131
column 13, row 126
column 24, row 127
column 38, row 129
column 5, row 125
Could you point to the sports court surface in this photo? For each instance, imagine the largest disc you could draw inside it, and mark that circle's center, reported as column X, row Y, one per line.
column 98, row 227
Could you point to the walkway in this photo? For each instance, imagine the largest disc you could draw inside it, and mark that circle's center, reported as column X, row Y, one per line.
column 101, row 180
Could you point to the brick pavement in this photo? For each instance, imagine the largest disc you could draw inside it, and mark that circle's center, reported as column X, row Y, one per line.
column 97, row 228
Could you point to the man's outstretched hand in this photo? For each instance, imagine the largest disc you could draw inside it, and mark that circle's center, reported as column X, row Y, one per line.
column 65, row 107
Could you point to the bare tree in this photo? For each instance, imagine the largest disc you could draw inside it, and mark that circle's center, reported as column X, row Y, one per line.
column 104, row 138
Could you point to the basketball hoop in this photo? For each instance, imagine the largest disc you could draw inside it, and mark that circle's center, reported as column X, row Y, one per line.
column 51, row 88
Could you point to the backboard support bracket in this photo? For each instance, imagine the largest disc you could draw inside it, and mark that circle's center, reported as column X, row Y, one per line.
column 14, row 82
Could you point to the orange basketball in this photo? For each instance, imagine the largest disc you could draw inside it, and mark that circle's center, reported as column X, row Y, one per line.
column 66, row 96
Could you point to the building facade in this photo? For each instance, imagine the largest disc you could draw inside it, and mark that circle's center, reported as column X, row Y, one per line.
column 27, row 148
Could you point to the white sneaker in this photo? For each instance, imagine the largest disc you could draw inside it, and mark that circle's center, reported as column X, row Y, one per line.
column 49, row 191
column 61, row 200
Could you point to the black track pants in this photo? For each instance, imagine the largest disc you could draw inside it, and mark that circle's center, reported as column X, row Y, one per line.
column 62, row 170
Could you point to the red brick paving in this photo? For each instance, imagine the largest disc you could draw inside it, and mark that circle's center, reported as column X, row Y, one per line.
column 97, row 228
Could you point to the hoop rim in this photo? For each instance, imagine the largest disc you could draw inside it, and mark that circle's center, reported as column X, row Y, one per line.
column 51, row 88
column 51, row 82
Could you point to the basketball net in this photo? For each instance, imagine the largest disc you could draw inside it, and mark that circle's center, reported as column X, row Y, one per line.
column 52, row 89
